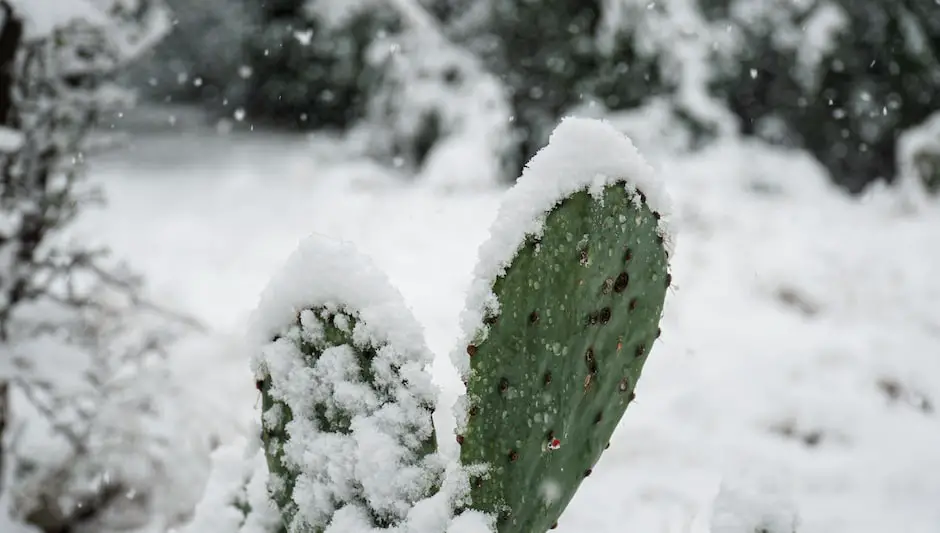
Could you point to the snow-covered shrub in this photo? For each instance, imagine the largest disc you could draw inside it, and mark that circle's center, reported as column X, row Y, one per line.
column 90, row 434
column 307, row 61
column 556, row 332
column 434, row 107
column 839, row 78
column 203, row 56
column 100, row 442
column 557, row 56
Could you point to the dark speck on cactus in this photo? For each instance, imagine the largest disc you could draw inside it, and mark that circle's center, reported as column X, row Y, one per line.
column 584, row 257
column 591, row 361
column 605, row 315
column 640, row 349
column 503, row 385
column 471, row 350
column 622, row 281
column 533, row 317
column 548, row 378
column 628, row 254
column 633, row 304
column 592, row 318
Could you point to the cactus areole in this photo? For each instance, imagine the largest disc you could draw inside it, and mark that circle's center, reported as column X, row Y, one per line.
column 557, row 344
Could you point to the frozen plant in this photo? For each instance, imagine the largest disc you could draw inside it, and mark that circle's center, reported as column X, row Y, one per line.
column 433, row 101
column 561, row 317
column 87, row 427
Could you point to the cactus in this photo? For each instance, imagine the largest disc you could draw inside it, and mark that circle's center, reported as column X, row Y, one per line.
column 573, row 313
column 347, row 402
column 556, row 369
column 563, row 313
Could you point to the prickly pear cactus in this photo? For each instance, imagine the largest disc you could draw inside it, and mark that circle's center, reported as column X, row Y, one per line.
column 568, row 310
column 347, row 401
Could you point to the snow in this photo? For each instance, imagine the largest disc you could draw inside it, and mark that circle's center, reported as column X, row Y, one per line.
column 378, row 462
column 921, row 141
column 581, row 154
column 798, row 315
column 132, row 27
column 10, row 140
column 326, row 272
column 235, row 478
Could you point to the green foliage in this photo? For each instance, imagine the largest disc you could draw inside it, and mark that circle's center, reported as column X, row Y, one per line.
column 542, row 51
column 310, row 73
column 879, row 76
column 551, row 57
column 315, row 333
column 202, row 57
column 579, row 313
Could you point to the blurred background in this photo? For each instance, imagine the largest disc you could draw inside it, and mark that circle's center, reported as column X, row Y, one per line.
column 159, row 160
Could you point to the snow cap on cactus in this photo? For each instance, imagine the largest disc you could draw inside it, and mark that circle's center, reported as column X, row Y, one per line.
column 347, row 400
column 324, row 272
column 581, row 154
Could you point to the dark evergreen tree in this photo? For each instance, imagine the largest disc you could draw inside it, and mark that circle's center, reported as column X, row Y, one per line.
column 306, row 72
column 880, row 77
column 549, row 55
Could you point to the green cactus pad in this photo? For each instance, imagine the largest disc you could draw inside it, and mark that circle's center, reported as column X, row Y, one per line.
column 330, row 419
column 579, row 311
column 346, row 396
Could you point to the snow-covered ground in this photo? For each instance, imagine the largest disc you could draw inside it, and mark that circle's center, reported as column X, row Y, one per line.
column 799, row 368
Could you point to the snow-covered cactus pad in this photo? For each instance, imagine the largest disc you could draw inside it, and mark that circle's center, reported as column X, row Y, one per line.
column 564, row 312
column 347, row 398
